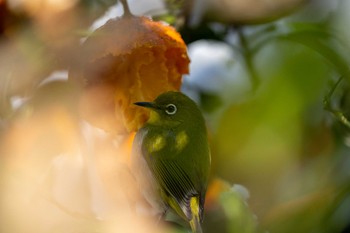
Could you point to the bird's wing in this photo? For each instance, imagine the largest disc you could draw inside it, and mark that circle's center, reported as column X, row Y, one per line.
column 176, row 183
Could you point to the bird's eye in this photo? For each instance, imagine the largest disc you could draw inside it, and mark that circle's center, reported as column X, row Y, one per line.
column 170, row 109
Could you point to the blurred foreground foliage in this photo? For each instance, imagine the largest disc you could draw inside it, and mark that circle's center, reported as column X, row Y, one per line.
column 285, row 137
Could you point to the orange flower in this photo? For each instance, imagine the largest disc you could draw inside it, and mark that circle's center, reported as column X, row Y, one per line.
column 128, row 59
column 216, row 187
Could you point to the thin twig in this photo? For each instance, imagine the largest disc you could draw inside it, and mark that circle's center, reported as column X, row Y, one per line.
column 248, row 59
column 127, row 12
column 326, row 101
column 339, row 115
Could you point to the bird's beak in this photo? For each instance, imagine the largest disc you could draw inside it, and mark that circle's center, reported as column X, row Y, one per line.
column 147, row 105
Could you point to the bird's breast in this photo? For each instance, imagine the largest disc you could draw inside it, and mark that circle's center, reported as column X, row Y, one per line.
column 181, row 140
column 156, row 143
column 166, row 142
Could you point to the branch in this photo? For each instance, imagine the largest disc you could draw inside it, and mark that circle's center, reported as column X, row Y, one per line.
column 248, row 59
column 339, row 115
column 127, row 12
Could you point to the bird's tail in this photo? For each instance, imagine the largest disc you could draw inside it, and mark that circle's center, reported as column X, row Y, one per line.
column 195, row 221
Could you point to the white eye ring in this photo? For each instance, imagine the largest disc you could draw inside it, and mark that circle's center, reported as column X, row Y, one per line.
column 170, row 109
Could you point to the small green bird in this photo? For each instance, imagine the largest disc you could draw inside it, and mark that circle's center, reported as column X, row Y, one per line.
column 171, row 157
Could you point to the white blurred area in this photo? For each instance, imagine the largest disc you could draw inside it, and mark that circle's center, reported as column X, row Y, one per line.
column 215, row 68
column 137, row 7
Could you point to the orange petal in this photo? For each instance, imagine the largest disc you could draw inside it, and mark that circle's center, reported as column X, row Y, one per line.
column 130, row 59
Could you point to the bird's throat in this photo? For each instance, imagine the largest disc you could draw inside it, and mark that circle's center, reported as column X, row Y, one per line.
column 154, row 118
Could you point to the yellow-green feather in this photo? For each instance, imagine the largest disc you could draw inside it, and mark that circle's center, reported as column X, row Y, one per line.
column 195, row 221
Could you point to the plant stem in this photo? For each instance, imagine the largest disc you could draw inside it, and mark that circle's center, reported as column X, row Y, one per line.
column 327, row 106
column 326, row 101
column 127, row 12
column 248, row 59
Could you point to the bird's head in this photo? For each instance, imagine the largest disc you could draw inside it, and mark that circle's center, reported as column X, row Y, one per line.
column 172, row 109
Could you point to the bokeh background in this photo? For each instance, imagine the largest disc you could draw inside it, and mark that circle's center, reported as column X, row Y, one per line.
column 271, row 77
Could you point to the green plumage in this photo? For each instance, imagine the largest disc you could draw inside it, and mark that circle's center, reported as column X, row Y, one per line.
column 171, row 157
